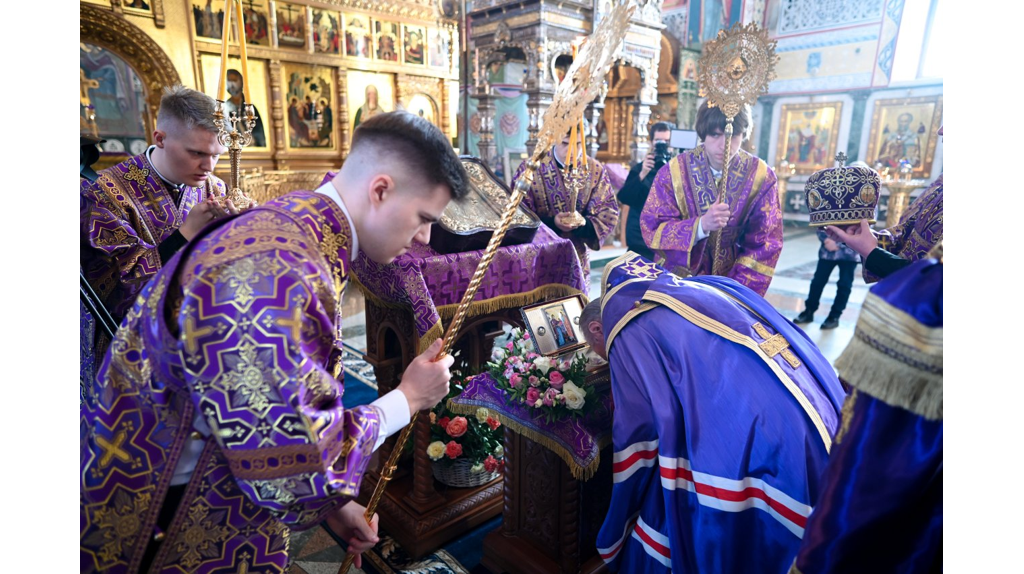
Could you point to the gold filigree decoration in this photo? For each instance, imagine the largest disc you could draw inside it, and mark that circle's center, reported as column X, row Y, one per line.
column 119, row 523
column 736, row 68
column 137, row 175
column 481, row 210
column 245, row 377
column 585, row 77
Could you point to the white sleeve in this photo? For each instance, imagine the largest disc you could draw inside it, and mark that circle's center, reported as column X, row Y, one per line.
column 700, row 229
column 394, row 408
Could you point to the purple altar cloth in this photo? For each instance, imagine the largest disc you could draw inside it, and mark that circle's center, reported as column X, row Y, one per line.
column 433, row 283
column 577, row 441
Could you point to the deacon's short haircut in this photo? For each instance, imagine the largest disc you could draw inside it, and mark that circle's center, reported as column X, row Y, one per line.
column 712, row 121
column 420, row 145
column 186, row 108
column 661, row 127
column 592, row 312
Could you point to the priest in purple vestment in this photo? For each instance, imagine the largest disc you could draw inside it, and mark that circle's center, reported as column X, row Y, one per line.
column 724, row 417
column 682, row 209
column 138, row 213
column 549, row 199
column 215, row 424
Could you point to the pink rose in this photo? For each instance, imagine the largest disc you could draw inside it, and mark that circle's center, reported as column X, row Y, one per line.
column 556, row 378
column 534, row 381
column 514, row 380
column 457, row 427
column 550, row 396
column 509, row 345
column 526, row 335
column 493, row 423
column 490, row 464
column 532, row 395
column 453, row 449
column 531, row 356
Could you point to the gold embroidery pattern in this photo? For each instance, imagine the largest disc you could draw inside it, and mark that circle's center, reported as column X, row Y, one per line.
column 269, row 463
column 249, row 377
column 776, row 344
column 137, row 175
column 201, row 536
column 118, row 524
column 846, row 415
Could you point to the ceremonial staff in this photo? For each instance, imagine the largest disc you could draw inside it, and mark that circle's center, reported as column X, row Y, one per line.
column 234, row 131
column 733, row 71
column 582, row 83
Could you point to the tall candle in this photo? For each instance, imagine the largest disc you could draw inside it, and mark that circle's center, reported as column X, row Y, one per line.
column 241, row 43
column 583, row 141
column 476, row 67
column 224, row 54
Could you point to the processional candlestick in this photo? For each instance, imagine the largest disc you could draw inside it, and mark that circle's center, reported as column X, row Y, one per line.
column 234, row 130
column 734, row 70
column 582, row 84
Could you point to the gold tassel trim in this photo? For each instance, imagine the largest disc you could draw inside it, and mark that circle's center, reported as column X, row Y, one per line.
column 580, row 473
column 910, row 376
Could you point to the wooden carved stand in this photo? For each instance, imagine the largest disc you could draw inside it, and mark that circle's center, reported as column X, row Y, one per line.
column 550, row 519
column 419, row 512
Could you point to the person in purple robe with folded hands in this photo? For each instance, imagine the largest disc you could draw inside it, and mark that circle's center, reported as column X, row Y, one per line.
column 683, row 210
column 724, row 418
column 215, row 424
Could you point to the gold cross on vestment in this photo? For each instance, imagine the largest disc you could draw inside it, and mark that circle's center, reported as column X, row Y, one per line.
column 776, row 345
column 137, row 175
column 884, row 241
column 191, row 332
column 295, row 322
column 300, row 203
column 113, row 449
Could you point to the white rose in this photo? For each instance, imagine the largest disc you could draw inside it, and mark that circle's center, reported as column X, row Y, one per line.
column 499, row 451
column 516, row 333
column 538, row 403
column 482, row 414
column 543, row 364
column 478, row 467
column 575, row 397
column 435, row 450
column 497, row 355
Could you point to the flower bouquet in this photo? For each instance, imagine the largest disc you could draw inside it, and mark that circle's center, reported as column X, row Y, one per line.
column 556, row 387
column 466, row 451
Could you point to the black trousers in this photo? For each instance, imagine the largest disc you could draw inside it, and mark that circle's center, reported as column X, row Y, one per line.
column 845, row 286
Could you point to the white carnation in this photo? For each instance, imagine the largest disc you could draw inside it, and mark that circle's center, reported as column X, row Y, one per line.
column 499, row 451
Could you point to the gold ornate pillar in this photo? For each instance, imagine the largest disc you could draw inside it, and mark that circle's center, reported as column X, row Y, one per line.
column 342, row 115
column 277, row 112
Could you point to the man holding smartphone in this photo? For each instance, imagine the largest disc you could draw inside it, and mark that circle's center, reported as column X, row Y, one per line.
column 638, row 184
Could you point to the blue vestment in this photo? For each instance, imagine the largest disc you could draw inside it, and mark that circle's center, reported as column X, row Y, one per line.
column 724, row 417
column 880, row 508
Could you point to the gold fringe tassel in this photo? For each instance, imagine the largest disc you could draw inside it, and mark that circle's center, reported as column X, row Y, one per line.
column 891, row 380
column 578, row 472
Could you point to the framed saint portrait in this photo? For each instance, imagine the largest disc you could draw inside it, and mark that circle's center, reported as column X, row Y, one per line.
column 808, row 134
column 437, row 43
column 309, row 106
column 414, row 43
column 258, row 85
column 555, row 325
column 291, row 25
column 358, row 35
column 369, row 94
column 905, row 129
column 326, row 32
column 209, row 20
column 386, row 41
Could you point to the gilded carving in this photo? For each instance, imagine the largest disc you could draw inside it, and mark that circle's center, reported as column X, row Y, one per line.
column 101, row 28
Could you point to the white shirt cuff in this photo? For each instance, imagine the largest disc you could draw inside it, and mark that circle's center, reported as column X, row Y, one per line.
column 700, row 230
column 394, row 409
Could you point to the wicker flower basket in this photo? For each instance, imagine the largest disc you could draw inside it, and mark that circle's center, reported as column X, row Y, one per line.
column 459, row 475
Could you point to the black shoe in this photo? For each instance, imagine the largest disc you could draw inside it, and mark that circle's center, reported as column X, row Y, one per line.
column 830, row 323
column 804, row 317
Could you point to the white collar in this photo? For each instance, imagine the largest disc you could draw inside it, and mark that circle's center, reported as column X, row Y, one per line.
column 149, row 158
column 331, row 192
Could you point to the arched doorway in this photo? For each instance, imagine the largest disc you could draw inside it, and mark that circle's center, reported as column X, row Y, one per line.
column 615, row 128
column 121, row 70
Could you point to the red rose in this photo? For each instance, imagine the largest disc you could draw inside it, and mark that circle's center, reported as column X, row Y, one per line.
column 443, row 423
column 491, row 464
column 453, row 449
column 493, row 423
column 457, row 427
